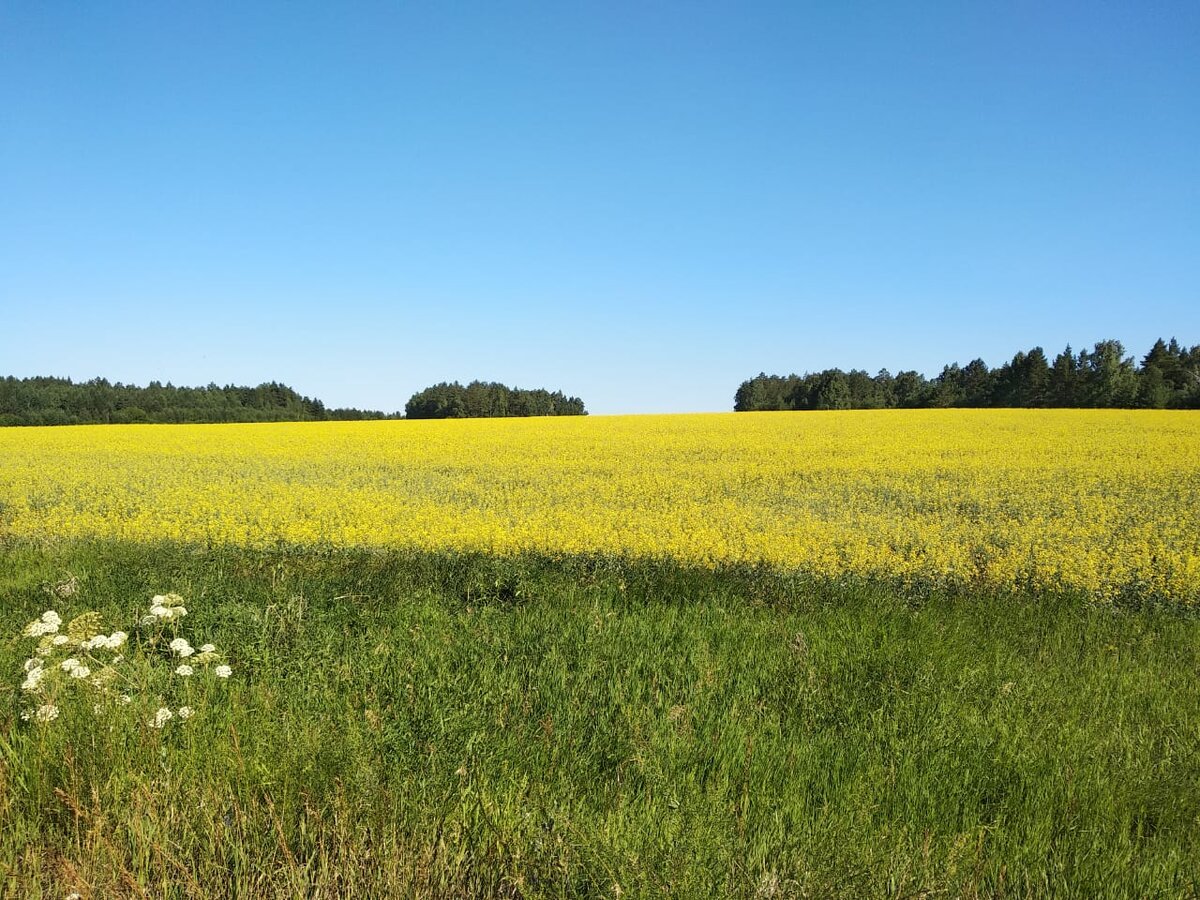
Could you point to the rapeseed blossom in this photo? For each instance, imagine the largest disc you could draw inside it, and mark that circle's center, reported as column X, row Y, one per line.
column 1019, row 498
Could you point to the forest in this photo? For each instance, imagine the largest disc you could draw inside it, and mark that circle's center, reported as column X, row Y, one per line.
column 47, row 400
column 481, row 399
column 1168, row 377
column 60, row 401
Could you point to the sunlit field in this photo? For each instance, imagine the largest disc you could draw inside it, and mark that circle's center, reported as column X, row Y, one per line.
column 1105, row 502
column 896, row 654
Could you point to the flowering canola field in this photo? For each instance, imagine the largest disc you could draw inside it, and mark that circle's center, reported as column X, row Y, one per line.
column 1101, row 500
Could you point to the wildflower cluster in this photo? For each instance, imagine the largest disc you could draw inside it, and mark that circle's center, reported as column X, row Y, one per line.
column 47, row 624
column 94, row 663
column 165, row 608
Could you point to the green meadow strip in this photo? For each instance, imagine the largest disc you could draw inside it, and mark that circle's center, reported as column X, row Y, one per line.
column 461, row 726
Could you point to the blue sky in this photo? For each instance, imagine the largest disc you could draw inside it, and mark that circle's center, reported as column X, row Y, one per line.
column 641, row 204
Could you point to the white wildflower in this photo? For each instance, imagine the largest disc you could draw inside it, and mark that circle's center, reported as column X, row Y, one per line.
column 106, row 641
column 125, row 698
column 167, row 607
column 47, row 624
column 185, row 713
column 32, row 663
column 33, row 679
column 80, row 672
column 38, row 628
column 60, row 639
column 161, row 718
column 222, row 671
column 45, row 651
column 184, row 670
column 181, row 647
column 68, row 664
column 47, row 712
column 208, row 648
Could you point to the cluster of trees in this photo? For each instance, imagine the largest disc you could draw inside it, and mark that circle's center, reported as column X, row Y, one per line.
column 1168, row 378
column 481, row 399
column 60, row 401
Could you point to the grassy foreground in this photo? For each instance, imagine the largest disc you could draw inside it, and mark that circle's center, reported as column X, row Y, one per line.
column 425, row 725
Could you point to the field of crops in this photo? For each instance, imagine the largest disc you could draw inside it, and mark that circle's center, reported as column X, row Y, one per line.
column 1099, row 501
column 507, row 657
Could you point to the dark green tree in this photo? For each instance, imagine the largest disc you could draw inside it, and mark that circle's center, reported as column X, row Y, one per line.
column 481, row 399
column 1108, row 376
column 1064, row 387
column 1103, row 376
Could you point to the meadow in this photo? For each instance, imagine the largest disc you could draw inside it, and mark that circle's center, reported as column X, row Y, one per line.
column 937, row 653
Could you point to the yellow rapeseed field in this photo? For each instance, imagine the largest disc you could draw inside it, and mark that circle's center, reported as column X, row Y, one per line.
column 1098, row 500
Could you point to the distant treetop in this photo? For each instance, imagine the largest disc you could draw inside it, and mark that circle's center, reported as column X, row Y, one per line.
column 1168, row 378
column 60, row 401
column 487, row 400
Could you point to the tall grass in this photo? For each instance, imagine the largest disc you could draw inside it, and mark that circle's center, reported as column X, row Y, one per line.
column 438, row 725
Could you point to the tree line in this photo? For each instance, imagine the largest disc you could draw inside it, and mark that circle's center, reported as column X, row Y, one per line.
column 479, row 399
column 1104, row 377
column 60, row 401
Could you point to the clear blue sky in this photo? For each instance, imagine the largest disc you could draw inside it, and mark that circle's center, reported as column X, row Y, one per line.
column 638, row 203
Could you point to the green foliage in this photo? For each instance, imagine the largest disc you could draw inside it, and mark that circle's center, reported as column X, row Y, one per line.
column 478, row 400
column 60, row 401
column 461, row 726
column 1169, row 378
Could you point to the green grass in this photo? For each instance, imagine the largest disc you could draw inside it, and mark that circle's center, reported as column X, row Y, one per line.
column 404, row 725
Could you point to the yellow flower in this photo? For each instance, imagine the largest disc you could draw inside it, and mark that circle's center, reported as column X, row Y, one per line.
column 1093, row 500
